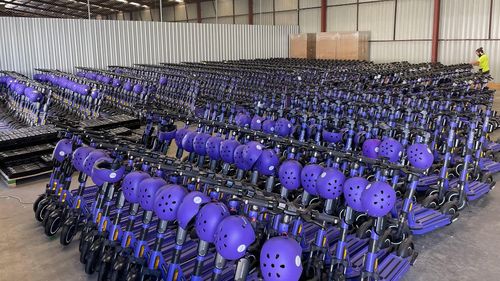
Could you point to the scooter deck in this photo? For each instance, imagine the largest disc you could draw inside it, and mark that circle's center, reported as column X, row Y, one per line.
column 493, row 146
column 392, row 267
column 489, row 166
column 425, row 220
column 477, row 189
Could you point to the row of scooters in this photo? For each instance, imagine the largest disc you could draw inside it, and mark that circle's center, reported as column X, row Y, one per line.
column 280, row 194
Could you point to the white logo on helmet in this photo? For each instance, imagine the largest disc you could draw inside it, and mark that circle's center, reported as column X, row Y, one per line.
column 323, row 174
column 62, row 153
column 197, row 200
column 242, row 248
column 377, row 149
column 298, row 261
column 400, row 153
column 429, row 150
column 289, row 125
column 259, row 147
column 112, row 175
column 258, row 121
column 271, row 168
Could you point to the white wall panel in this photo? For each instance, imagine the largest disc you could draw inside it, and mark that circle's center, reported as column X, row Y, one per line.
column 463, row 51
column 180, row 13
column 65, row 43
column 191, row 11
column 464, row 19
column 341, row 18
column 412, row 51
column 241, row 7
column 241, row 19
column 286, row 18
column 284, row 5
column 378, row 18
column 414, row 19
column 309, row 3
column 495, row 24
column 262, row 6
column 207, row 9
column 310, row 20
column 340, row 2
column 225, row 8
column 263, row 19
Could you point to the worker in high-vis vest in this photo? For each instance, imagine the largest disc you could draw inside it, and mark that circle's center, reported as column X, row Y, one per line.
column 483, row 61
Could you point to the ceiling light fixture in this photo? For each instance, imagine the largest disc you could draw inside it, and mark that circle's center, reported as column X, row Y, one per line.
column 135, row 4
column 122, row 1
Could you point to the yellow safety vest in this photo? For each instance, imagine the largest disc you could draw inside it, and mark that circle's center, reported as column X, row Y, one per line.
column 484, row 63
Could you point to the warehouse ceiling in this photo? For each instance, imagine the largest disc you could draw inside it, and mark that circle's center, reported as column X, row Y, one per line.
column 77, row 8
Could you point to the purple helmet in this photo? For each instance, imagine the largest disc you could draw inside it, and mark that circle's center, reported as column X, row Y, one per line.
column 233, row 237
column 353, row 188
column 242, row 119
column 79, row 156
column 131, row 183
column 330, row 183
column 371, row 148
column 163, row 80
column 137, row 88
column 283, row 127
column 187, row 141
column 106, row 80
column 213, row 147
column 168, row 134
column 200, row 143
column 190, row 206
column 116, row 82
column 103, row 169
column 167, row 201
column 390, row 149
column 267, row 163
column 208, row 220
column 378, row 199
column 94, row 93
column 89, row 162
column 147, row 192
column 331, row 137
column 308, row 177
column 179, row 136
column 256, row 123
column 227, row 148
column 33, row 95
column 239, row 161
column 127, row 86
column 280, row 259
column 251, row 153
column 420, row 156
column 268, row 126
column 63, row 148
column 289, row 174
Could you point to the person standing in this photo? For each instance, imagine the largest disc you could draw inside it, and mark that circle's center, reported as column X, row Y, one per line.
column 483, row 61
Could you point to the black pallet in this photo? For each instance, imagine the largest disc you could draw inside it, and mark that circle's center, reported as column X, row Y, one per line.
column 14, row 171
column 20, row 138
column 26, row 152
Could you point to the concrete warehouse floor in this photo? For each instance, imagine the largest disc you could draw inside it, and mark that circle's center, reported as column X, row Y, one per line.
column 466, row 250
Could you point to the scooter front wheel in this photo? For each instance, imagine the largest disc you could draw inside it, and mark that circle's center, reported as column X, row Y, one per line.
column 68, row 232
column 52, row 224
column 104, row 270
column 37, row 202
column 41, row 210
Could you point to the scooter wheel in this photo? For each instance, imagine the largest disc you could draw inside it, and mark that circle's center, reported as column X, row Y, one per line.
column 90, row 262
column 41, row 210
column 449, row 208
column 430, row 202
column 68, row 232
column 37, row 202
column 83, row 252
column 52, row 224
column 406, row 248
column 364, row 230
column 104, row 269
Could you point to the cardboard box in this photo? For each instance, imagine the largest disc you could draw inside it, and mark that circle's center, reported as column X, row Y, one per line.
column 326, row 45
column 302, row 46
column 331, row 45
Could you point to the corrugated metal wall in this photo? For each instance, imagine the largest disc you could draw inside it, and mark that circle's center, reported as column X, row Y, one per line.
column 65, row 43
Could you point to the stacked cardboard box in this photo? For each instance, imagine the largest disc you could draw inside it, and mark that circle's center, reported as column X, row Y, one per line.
column 303, row 46
column 331, row 45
